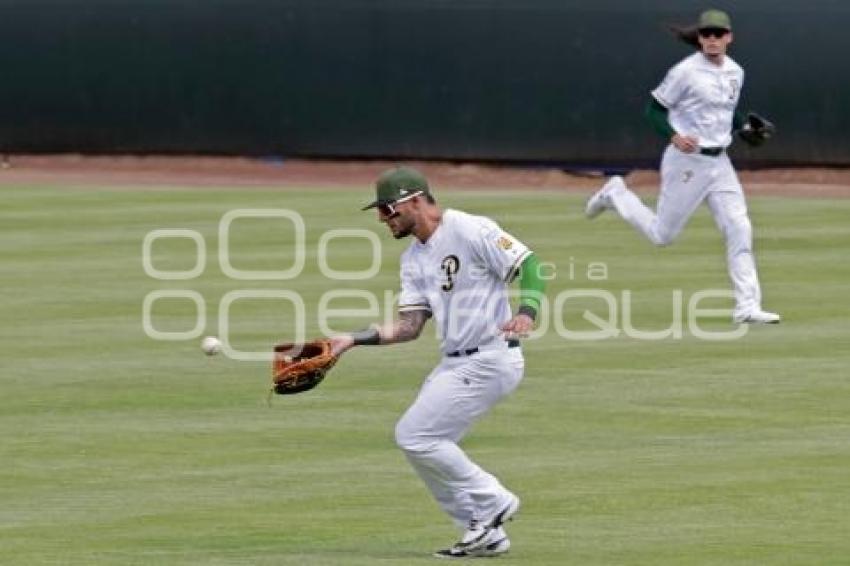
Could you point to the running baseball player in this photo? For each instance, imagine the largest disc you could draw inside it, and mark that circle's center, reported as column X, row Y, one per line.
column 694, row 107
column 457, row 270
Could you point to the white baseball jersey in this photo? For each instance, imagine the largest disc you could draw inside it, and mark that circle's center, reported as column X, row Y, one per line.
column 701, row 98
column 461, row 275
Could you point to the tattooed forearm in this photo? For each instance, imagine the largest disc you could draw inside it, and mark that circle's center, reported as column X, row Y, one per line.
column 407, row 327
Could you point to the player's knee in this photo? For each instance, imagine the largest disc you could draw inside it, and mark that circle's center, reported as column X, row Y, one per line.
column 407, row 437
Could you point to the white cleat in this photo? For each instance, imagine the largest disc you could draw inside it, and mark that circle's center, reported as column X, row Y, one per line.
column 600, row 201
column 757, row 316
column 497, row 544
column 479, row 532
column 497, row 547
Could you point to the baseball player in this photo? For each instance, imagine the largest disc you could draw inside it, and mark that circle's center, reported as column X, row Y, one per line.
column 457, row 270
column 694, row 107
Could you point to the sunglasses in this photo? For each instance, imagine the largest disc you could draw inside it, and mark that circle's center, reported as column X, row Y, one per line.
column 713, row 32
column 388, row 208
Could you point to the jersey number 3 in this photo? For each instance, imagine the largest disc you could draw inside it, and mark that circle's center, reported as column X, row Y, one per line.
column 450, row 266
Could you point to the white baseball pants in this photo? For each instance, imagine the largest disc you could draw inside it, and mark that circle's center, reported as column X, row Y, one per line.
column 456, row 394
column 686, row 181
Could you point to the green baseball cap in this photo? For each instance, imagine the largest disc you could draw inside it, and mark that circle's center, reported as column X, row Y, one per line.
column 398, row 183
column 714, row 19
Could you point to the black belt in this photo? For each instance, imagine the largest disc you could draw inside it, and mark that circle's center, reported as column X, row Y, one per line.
column 459, row 353
column 712, row 151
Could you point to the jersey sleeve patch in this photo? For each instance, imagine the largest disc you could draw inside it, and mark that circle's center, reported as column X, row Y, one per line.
column 500, row 251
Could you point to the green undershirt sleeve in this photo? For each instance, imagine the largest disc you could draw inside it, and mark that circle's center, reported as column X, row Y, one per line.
column 738, row 121
column 531, row 286
column 656, row 113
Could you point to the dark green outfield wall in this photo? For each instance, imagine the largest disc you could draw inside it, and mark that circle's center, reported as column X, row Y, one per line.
column 536, row 80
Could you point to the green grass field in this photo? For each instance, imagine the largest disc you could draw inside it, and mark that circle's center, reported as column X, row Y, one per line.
column 119, row 449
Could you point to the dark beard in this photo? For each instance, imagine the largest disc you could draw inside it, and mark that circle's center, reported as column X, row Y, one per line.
column 403, row 234
column 405, row 230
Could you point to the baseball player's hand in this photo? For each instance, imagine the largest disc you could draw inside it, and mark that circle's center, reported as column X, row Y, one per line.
column 686, row 144
column 518, row 327
column 341, row 344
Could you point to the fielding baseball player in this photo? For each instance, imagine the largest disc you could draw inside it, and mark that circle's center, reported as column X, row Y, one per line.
column 694, row 107
column 456, row 270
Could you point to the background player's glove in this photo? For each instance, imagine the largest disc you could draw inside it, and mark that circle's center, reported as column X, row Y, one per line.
column 757, row 130
column 300, row 367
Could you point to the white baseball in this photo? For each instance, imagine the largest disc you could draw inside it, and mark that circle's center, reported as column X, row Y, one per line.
column 211, row 345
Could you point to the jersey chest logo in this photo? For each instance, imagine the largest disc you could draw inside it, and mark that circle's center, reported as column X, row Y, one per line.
column 734, row 87
column 449, row 266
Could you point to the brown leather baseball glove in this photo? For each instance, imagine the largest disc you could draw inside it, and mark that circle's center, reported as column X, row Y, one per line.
column 301, row 367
